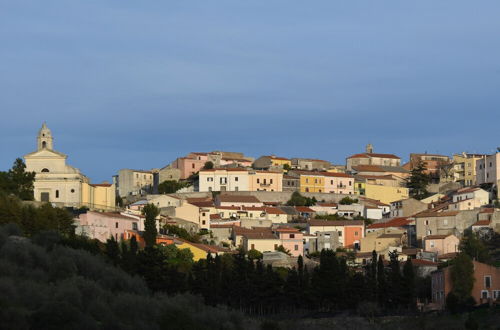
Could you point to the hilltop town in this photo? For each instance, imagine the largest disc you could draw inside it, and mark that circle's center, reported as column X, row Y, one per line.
column 375, row 235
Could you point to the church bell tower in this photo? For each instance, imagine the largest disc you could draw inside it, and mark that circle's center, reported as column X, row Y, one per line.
column 45, row 140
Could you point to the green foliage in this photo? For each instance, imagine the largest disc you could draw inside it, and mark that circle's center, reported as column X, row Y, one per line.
column 150, row 211
column 474, row 247
column 33, row 220
column 254, row 254
column 348, row 200
column 208, row 165
column 462, row 278
column 171, row 186
column 330, row 217
column 287, row 167
column 17, row 181
column 281, row 248
column 298, row 200
column 418, row 182
column 182, row 233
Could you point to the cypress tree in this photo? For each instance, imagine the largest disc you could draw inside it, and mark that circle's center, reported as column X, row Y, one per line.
column 381, row 282
column 150, row 211
column 408, row 284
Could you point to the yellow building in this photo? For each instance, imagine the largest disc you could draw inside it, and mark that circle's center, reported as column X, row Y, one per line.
column 467, row 169
column 312, row 182
column 280, row 161
column 385, row 194
column 199, row 251
column 99, row 196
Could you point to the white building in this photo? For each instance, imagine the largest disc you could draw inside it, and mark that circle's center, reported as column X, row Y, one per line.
column 488, row 169
column 229, row 179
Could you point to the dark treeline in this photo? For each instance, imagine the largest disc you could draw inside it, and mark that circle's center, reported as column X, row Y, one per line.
column 45, row 285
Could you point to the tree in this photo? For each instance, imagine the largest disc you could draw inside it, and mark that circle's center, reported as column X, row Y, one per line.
column 281, row 248
column 254, row 254
column 474, row 247
column 150, row 211
column 171, row 186
column 208, row 165
column 347, row 201
column 298, row 200
column 17, row 181
column 462, row 279
column 418, row 181
column 408, row 293
column 287, row 167
column 112, row 250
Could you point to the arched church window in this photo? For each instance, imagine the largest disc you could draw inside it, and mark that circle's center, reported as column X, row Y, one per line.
column 44, row 144
column 45, row 170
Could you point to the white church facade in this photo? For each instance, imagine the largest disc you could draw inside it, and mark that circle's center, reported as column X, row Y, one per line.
column 64, row 185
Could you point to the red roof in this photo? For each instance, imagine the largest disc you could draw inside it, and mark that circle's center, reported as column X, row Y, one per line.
column 214, row 216
column 436, row 237
column 487, row 210
column 304, row 209
column 422, row 262
column 484, row 223
column 287, row 230
column 396, row 222
column 333, row 223
column 369, row 155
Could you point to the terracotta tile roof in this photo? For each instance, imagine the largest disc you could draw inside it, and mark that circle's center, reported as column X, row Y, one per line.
column 335, row 223
column 304, row 209
column 238, row 231
column 235, row 208
column 287, row 230
column 238, row 199
column 369, row 155
column 431, row 214
column 277, row 158
column 229, row 169
column 100, row 184
column 274, row 210
column 215, row 216
column 375, row 177
column 222, row 226
column 260, row 235
column 205, row 247
column 483, row 223
column 379, row 168
column 450, row 255
column 203, row 204
column 327, row 204
column 436, row 237
column 466, row 190
column 487, row 210
column 321, row 173
column 396, row 222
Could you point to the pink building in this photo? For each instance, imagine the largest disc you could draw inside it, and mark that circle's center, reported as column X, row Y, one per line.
column 195, row 161
column 339, row 183
column 441, row 244
column 103, row 225
column 292, row 240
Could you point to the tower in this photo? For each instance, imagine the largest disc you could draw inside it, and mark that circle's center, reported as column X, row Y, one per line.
column 45, row 140
column 369, row 148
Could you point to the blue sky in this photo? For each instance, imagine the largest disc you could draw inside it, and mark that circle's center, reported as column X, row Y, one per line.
column 135, row 84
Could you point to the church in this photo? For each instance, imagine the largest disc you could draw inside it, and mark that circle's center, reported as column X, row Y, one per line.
column 61, row 184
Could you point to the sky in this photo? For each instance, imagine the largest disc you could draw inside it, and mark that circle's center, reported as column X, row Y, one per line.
column 136, row 84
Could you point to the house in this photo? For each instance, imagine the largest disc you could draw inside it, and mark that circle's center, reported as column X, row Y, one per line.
column 139, row 237
column 382, row 242
column 223, row 179
column 350, row 232
column 444, row 223
column 469, row 198
column 310, row 164
column 305, row 211
column 134, row 182
column 407, row 207
column 396, row 172
column 270, row 162
column 237, row 200
column 325, row 208
column 371, row 158
column 196, row 212
column 441, row 244
column 373, row 212
column 488, row 169
column 486, row 287
column 324, row 182
column 265, row 180
column 260, row 240
column 61, row 184
column 432, row 163
column 199, row 251
column 292, row 240
column 327, row 240
column 462, row 169
column 385, row 194
column 350, row 211
column 163, row 201
column 291, row 183
column 103, row 225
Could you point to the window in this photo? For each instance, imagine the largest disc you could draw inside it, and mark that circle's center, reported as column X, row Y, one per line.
column 307, row 180
column 57, row 193
column 431, row 244
column 265, row 181
column 116, row 224
column 426, row 222
column 72, row 190
column 296, row 247
column 275, row 246
column 350, row 183
column 192, row 165
column 209, row 188
column 271, row 181
column 331, row 181
column 223, row 180
column 484, row 294
column 44, row 144
column 45, row 170
column 496, row 294
column 203, row 214
column 491, row 164
column 203, row 222
column 236, row 188
column 258, row 180
column 144, row 176
column 137, row 175
column 340, row 233
column 355, row 233
column 252, row 247
column 292, row 235
column 236, row 178
column 307, row 189
column 487, row 281
column 134, row 226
